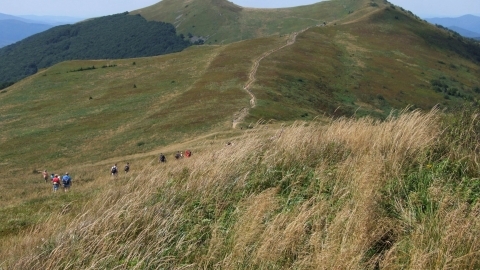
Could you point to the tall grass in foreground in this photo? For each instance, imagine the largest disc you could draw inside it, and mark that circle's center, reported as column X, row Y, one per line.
column 353, row 194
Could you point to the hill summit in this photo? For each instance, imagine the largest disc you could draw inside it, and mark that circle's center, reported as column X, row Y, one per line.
column 221, row 22
column 335, row 178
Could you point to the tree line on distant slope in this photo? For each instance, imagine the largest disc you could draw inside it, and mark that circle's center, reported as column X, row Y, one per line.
column 110, row 37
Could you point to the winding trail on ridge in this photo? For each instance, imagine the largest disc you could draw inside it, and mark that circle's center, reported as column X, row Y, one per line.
column 240, row 116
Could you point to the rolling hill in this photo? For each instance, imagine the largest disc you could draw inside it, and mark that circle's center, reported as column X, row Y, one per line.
column 110, row 37
column 200, row 21
column 121, row 107
column 381, row 191
column 222, row 22
column 352, row 67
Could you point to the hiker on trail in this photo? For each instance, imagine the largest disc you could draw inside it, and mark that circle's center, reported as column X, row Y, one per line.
column 114, row 170
column 162, row 158
column 177, row 155
column 188, row 153
column 45, row 176
column 56, row 182
column 52, row 176
column 127, row 168
column 67, row 182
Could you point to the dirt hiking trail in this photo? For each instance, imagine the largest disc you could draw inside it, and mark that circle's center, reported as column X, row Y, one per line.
column 240, row 116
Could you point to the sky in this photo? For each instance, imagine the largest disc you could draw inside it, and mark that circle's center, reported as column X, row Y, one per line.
column 95, row 8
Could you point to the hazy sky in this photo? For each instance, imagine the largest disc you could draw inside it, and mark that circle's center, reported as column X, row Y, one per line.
column 93, row 8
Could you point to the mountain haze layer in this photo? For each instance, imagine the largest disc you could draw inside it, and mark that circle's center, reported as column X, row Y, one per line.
column 13, row 28
column 467, row 25
column 12, row 31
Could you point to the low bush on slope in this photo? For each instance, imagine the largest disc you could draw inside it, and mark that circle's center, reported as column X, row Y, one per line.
column 400, row 193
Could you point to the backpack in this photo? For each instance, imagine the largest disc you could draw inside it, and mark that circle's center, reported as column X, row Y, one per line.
column 114, row 169
column 56, row 181
column 66, row 180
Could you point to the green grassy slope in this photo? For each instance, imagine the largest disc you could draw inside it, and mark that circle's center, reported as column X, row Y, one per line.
column 74, row 118
column 62, row 116
column 220, row 21
column 386, row 60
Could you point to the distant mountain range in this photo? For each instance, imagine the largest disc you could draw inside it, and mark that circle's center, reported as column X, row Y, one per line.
column 467, row 25
column 12, row 31
column 16, row 28
column 53, row 20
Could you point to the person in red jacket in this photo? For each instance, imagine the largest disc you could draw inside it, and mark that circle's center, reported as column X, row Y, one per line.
column 56, row 183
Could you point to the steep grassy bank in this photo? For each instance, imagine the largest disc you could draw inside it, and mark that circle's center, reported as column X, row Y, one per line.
column 401, row 193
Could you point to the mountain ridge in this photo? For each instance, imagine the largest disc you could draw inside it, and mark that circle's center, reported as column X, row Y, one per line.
column 220, row 21
column 464, row 32
column 12, row 30
column 305, row 181
column 98, row 38
column 212, row 21
column 468, row 22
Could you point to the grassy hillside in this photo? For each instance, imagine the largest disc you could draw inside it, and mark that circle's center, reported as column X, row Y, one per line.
column 318, row 190
column 364, row 194
column 109, row 37
column 388, row 59
column 70, row 114
column 220, row 21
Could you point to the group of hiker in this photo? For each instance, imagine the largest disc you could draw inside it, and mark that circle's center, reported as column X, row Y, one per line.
column 114, row 169
column 57, row 181
column 66, row 180
column 178, row 155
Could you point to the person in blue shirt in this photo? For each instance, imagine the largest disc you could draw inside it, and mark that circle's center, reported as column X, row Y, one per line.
column 67, row 182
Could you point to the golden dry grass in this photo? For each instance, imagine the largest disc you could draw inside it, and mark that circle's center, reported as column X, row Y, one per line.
column 305, row 196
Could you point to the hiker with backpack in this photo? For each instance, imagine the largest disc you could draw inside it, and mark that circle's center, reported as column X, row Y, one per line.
column 178, row 155
column 127, row 168
column 67, row 181
column 114, row 170
column 188, row 153
column 162, row 158
column 56, row 182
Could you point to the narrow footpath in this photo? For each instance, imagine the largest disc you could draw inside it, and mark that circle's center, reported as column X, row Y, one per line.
column 240, row 116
